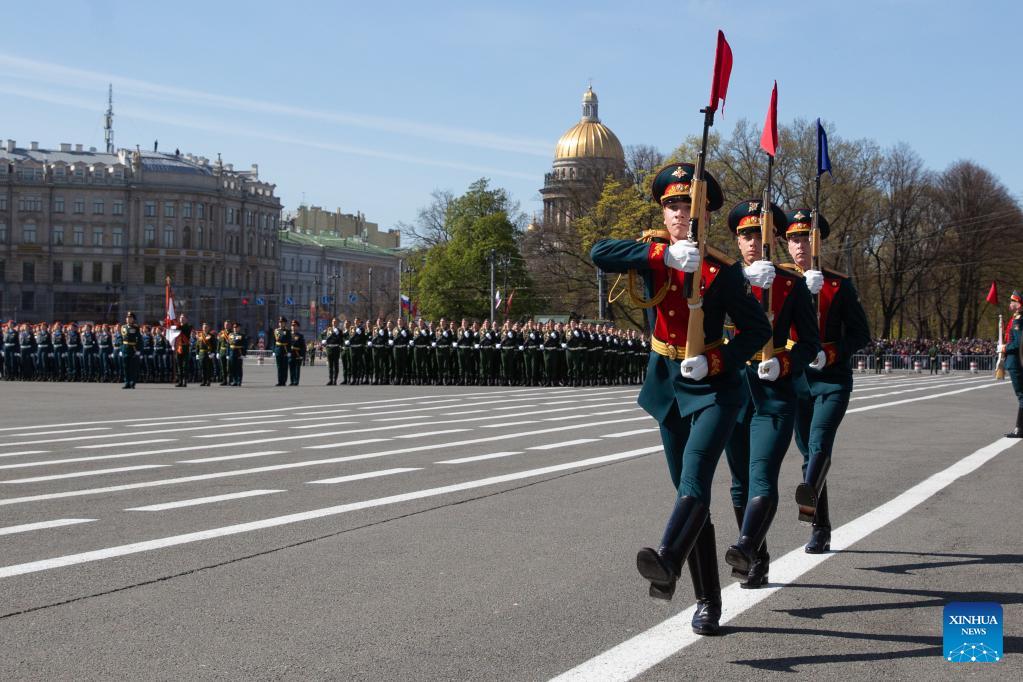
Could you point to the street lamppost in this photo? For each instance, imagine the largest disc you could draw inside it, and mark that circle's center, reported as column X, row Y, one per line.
column 335, row 289
column 409, row 270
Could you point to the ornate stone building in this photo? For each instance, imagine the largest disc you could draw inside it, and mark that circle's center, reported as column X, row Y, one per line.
column 87, row 235
column 584, row 157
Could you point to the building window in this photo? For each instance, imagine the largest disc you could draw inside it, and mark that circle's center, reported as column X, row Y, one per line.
column 117, row 236
column 3, row 233
column 79, row 235
column 117, row 208
column 186, row 237
column 202, row 276
column 97, row 207
column 28, row 271
column 3, row 203
column 149, row 276
column 115, row 273
column 28, row 233
column 186, row 209
column 150, row 209
column 79, row 206
column 97, row 236
column 79, row 173
column 150, row 236
column 58, row 204
column 97, row 272
column 28, row 300
column 189, row 272
column 30, row 203
column 168, row 209
column 198, row 237
column 59, row 173
column 58, row 271
column 58, row 235
column 200, row 209
column 168, row 237
column 76, row 273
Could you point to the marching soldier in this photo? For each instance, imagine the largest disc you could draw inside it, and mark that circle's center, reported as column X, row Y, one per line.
column 74, row 352
column 206, row 346
column 381, row 353
column 695, row 400
column 1010, row 346
column 759, row 443
column 331, row 341
column 44, row 353
column 162, row 353
column 235, row 351
column 825, row 387
column 357, row 344
column 282, row 350
column 444, row 342
column 297, row 352
column 10, row 350
column 223, row 346
column 182, row 351
column 131, row 336
column 421, row 347
column 551, row 347
column 400, row 344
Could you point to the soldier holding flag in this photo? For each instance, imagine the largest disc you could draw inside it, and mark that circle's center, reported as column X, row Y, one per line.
column 1010, row 346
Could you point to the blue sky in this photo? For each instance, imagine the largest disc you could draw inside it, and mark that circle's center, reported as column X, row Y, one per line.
column 371, row 106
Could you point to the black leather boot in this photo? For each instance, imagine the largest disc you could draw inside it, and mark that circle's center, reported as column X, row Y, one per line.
column 663, row 565
column 1018, row 431
column 759, row 514
column 809, row 490
column 703, row 569
column 740, row 514
column 758, row 569
column 820, row 536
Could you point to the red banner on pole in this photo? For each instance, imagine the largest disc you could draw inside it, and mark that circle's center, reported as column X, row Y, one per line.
column 769, row 138
column 992, row 294
column 722, row 71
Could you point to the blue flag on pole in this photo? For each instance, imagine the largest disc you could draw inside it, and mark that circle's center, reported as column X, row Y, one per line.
column 823, row 161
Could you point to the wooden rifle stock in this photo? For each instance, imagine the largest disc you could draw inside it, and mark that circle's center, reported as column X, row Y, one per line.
column 697, row 232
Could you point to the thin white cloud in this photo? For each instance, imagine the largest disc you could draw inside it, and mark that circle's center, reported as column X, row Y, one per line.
column 214, row 128
column 58, row 74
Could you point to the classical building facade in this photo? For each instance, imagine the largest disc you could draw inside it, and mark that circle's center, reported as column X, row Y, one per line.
column 315, row 221
column 584, row 157
column 87, row 235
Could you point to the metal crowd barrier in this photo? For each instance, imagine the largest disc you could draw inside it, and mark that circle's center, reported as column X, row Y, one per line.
column 924, row 364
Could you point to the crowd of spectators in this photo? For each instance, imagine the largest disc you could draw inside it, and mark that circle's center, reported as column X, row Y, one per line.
column 905, row 347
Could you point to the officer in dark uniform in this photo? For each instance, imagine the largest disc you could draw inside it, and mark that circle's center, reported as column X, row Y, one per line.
column 90, row 354
column 223, row 354
column 421, row 347
column 182, row 351
column 282, row 350
column 206, row 346
column 297, row 352
column 27, row 352
column 357, row 344
column 759, row 442
column 1010, row 346
column 465, row 343
column 444, row 343
column 331, row 341
column 131, row 336
column 162, row 354
column 73, row 339
column 825, row 387
column 147, row 355
column 236, row 343
column 695, row 400
column 400, row 342
column 44, row 354
column 551, row 347
column 10, row 350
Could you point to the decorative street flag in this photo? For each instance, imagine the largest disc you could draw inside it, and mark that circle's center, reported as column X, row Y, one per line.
column 497, row 299
column 769, row 138
column 507, row 310
column 722, row 71
column 261, row 301
column 992, row 294
column 406, row 304
column 168, row 300
column 823, row 161
column 289, row 301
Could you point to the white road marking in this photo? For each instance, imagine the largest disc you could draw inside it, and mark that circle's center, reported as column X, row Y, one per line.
column 501, row 426
column 431, row 433
column 394, row 405
column 203, row 500
column 478, row 458
column 590, row 414
column 25, row 527
column 918, row 388
column 623, row 434
column 455, row 414
column 54, row 433
column 175, row 540
column 401, row 419
column 368, row 474
column 923, row 397
column 647, row 649
column 564, row 444
column 224, row 458
column 79, row 474
column 98, row 446
column 237, row 433
column 327, row 446
column 24, row 452
column 335, row 412
column 239, row 419
column 190, row 421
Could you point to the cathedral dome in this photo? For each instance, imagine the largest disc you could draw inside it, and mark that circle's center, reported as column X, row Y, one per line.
column 589, row 139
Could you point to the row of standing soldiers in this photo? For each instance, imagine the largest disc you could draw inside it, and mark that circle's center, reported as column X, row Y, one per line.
column 103, row 352
column 474, row 353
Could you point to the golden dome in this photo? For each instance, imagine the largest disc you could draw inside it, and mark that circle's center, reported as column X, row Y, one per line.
column 589, row 139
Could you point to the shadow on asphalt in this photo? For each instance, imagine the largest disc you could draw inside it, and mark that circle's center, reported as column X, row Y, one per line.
column 926, row 599
column 967, row 560
column 932, row 648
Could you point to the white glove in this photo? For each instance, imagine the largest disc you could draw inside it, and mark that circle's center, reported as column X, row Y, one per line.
column 1001, row 348
column 390, row 342
column 760, row 273
column 769, row 370
column 814, row 280
column 348, row 343
column 683, row 255
column 564, row 345
column 820, row 361
column 433, row 345
column 498, row 345
column 476, row 346
column 694, row 368
column 521, row 347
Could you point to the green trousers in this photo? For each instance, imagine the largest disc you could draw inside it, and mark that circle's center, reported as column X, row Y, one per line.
column 693, row 445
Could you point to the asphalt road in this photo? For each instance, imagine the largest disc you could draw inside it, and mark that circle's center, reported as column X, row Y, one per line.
column 464, row 533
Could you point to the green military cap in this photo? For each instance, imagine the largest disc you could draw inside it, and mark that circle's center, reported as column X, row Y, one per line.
column 746, row 214
column 675, row 181
column 798, row 222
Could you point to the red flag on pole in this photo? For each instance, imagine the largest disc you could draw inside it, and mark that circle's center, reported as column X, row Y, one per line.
column 722, row 70
column 769, row 138
column 507, row 310
column 992, row 294
column 170, row 316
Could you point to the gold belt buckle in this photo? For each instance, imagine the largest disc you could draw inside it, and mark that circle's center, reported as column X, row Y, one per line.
column 672, row 351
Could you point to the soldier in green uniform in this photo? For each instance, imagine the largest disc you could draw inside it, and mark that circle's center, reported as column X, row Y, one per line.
column 826, row 385
column 235, row 352
column 1010, row 346
column 531, row 354
column 445, row 342
column 206, row 346
column 282, row 350
column 130, row 338
column 695, row 400
column 759, row 442
column 381, row 353
column 296, row 352
column 331, row 341
column 357, row 343
column 182, row 350
column 421, row 346
column 400, row 345
column 223, row 345
column 576, row 343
